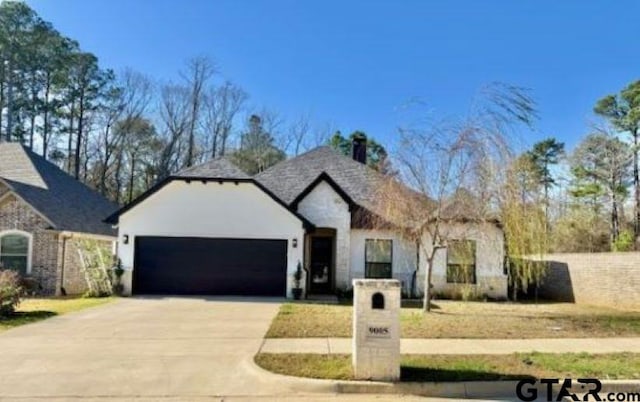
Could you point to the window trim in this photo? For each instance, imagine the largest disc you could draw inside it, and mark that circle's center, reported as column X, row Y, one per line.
column 366, row 240
column 475, row 262
column 29, row 237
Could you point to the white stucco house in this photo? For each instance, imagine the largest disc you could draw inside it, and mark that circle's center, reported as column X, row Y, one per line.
column 212, row 229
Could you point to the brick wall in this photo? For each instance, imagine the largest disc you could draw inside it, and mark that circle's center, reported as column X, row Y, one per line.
column 16, row 215
column 75, row 279
column 610, row 279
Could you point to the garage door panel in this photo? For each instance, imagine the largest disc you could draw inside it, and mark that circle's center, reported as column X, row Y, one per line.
column 166, row 265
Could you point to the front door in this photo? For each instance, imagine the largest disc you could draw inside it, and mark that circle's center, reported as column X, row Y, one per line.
column 321, row 280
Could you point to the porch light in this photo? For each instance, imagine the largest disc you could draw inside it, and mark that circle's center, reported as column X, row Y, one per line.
column 125, row 239
column 294, row 242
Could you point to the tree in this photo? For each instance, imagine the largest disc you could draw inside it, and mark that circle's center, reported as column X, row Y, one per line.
column 544, row 155
column 86, row 85
column 221, row 107
column 199, row 71
column 124, row 102
column 456, row 173
column 525, row 225
column 377, row 156
column 623, row 111
column 139, row 142
column 601, row 167
column 18, row 26
column 257, row 147
column 174, row 117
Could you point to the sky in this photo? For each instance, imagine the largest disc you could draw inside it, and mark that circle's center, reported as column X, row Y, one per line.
column 361, row 65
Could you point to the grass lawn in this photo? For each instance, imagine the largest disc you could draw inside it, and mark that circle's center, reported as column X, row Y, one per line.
column 456, row 319
column 36, row 309
column 466, row 367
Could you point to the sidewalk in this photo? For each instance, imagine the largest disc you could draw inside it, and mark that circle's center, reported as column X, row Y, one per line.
column 460, row 346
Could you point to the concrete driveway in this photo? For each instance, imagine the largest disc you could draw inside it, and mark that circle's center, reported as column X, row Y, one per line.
column 153, row 347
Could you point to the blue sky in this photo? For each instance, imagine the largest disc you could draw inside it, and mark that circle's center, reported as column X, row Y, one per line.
column 357, row 64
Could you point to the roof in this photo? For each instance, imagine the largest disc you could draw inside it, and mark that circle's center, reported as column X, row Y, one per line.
column 67, row 203
column 290, row 178
column 215, row 168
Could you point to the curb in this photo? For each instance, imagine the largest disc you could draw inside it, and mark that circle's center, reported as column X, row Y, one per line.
column 462, row 389
column 471, row 389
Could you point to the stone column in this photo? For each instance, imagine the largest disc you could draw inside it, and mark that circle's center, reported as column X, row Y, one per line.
column 376, row 329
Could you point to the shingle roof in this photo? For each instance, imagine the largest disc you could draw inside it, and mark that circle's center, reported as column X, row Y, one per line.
column 289, row 178
column 219, row 168
column 66, row 202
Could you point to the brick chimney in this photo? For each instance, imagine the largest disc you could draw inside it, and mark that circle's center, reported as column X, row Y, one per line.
column 359, row 148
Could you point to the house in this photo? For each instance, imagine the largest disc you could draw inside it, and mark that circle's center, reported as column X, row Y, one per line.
column 211, row 229
column 44, row 215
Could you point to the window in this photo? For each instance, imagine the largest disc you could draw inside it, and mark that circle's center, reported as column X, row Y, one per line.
column 461, row 261
column 14, row 251
column 377, row 257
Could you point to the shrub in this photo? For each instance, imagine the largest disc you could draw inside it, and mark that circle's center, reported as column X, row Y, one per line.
column 10, row 292
column 345, row 294
column 115, row 276
column 624, row 242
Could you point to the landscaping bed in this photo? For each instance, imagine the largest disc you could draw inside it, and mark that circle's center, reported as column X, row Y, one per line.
column 437, row 368
column 455, row 319
column 35, row 309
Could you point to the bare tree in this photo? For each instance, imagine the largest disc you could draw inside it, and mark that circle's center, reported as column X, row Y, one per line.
column 297, row 134
column 454, row 172
column 175, row 119
column 199, row 71
column 221, row 107
column 126, row 102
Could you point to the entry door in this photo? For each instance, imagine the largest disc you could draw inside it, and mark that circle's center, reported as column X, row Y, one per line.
column 321, row 280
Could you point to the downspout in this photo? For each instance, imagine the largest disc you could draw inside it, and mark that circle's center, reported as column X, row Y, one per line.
column 304, row 266
column 415, row 271
column 64, row 237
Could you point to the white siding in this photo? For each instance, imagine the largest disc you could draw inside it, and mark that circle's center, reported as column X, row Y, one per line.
column 404, row 254
column 326, row 209
column 214, row 210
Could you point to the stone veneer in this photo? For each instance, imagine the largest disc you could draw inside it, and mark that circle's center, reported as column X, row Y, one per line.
column 376, row 329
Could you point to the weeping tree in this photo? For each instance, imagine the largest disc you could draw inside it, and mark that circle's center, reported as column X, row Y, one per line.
column 453, row 175
column 525, row 225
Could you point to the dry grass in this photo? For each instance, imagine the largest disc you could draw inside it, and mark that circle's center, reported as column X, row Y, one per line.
column 36, row 309
column 453, row 319
column 466, row 367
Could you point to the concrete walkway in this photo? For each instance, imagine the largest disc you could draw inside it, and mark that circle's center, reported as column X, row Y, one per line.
column 460, row 346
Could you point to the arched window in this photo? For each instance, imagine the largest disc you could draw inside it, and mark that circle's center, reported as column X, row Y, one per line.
column 15, row 251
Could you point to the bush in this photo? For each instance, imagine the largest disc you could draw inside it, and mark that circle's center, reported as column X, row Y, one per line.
column 10, row 292
column 624, row 242
column 345, row 294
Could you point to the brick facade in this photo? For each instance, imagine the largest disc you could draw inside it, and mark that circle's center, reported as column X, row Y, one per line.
column 48, row 248
column 609, row 279
column 326, row 209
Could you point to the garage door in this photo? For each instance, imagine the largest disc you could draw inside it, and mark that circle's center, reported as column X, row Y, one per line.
column 202, row 266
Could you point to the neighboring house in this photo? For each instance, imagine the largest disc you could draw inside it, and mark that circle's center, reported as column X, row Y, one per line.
column 44, row 213
column 212, row 229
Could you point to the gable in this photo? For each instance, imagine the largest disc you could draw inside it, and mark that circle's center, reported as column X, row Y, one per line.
column 201, row 207
column 325, row 207
column 15, row 213
column 65, row 202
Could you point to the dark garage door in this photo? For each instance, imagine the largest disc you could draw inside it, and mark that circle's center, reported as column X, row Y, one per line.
column 181, row 265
